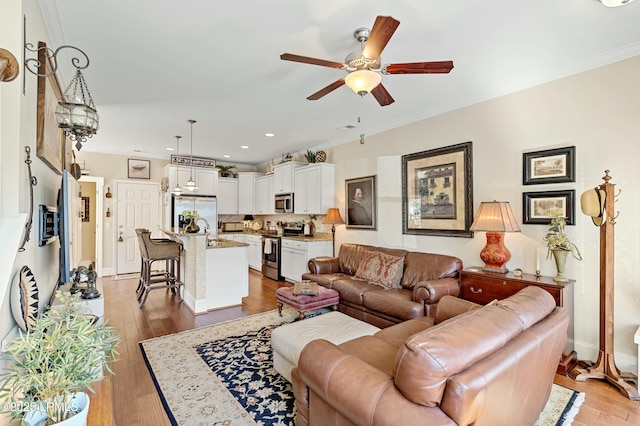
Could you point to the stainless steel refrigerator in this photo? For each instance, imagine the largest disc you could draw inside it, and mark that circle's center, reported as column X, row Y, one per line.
column 205, row 205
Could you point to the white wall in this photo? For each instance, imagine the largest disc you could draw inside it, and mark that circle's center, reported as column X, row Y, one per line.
column 18, row 129
column 597, row 112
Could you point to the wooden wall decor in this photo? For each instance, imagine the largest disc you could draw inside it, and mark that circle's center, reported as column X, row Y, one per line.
column 605, row 367
column 9, row 68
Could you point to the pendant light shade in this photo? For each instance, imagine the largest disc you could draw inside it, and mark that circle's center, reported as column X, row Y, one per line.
column 177, row 190
column 191, row 183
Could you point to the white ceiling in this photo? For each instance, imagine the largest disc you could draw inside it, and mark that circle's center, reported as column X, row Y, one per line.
column 157, row 63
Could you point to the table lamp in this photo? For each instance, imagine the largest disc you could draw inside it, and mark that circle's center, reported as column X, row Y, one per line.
column 495, row 218
column 333, row 218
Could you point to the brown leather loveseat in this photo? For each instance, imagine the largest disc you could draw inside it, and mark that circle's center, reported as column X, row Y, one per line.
column 491, row 365
column 422, row 279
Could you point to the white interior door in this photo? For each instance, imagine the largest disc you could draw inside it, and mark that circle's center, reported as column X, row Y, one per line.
column 138, row 207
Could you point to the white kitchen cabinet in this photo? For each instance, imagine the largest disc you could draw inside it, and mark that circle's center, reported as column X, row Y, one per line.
column 206, row 179
column 314, row 189
column 227, row 196
column 247, row 192
column 283, row 179
column 264, row 195
column 296, row 254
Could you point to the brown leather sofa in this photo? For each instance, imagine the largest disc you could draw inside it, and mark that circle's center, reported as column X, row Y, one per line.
column 426, row 277
column 491, row 365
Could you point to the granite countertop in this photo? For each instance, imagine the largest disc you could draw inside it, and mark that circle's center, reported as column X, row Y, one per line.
column 184, row 234
column 318, row 236
column 223, row 243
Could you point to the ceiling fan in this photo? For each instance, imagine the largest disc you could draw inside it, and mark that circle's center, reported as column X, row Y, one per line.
column 364, row 66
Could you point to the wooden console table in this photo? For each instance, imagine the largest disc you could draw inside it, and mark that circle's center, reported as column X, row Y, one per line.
column 483, row 287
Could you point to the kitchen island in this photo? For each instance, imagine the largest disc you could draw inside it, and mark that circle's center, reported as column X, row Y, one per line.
column 215, row 271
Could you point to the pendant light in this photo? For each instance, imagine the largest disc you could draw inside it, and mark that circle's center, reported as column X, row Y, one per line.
column 177, row 190
column 191, row 183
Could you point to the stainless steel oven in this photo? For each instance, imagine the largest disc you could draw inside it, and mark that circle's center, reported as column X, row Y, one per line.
column 284, row 203
column 271, row 257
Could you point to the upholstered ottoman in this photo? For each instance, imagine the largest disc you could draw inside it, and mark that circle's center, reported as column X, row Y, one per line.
column 288, row 340
column 326, row 297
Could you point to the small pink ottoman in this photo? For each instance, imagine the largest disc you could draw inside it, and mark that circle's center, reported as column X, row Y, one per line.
column 326, row 297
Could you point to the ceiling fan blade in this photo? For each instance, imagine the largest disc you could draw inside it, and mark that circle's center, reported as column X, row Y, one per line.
column 326, row 90
column 382, row 96
column 381, row 33
column 442, row 67
column 308, row 60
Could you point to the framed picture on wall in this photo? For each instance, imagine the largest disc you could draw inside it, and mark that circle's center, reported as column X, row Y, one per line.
column 437, row 191
column 51, row 145
column 360, row 195
column 549, row 166
column 139, row 169
column 539, row 207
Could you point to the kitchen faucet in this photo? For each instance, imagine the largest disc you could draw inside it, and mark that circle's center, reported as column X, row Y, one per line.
column 206, row 227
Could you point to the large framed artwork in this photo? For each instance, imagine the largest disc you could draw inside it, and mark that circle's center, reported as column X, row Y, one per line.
column 549, row 166
column 437, row 191
column 360, row 195
column 539, row 207
column 51, row 144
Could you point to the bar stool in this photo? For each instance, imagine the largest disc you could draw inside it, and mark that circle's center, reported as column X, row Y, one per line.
column 158, row 249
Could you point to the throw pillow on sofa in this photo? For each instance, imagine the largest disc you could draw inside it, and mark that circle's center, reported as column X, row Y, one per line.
column 381, row 269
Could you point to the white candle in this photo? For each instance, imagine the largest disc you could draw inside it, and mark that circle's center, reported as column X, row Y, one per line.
column 537, row 259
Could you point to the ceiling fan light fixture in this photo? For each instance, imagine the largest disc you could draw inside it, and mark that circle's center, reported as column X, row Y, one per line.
column 362, row 81
column 615, row 3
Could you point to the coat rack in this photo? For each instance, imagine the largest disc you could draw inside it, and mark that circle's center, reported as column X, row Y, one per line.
column 605, row 367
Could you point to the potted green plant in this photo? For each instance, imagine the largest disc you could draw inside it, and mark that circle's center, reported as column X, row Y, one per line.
column 226, row 171
column 559, row 245
column 310, row 156
column 51, row 367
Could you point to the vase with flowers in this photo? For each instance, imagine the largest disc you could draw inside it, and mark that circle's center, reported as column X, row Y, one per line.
column 559, row 245
column 192, row 216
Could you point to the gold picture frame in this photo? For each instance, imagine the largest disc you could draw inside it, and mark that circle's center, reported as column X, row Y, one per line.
column 437, row 192
column 360, row 203
column 51, row 143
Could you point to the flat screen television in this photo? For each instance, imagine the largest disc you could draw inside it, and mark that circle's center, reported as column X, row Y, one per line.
column 63, row 230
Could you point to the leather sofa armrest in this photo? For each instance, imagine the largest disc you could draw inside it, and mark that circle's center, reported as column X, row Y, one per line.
column 357, row 390
column 301, row 394
column 449, row 307
column 429, row 292
column 324, row 265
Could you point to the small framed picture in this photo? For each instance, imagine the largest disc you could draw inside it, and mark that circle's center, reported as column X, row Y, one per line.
column 360, row 194
column 539, row 207
column 139, row 169
column 549, row 166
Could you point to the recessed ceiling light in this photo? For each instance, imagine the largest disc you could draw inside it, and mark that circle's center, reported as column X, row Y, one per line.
column 169, row 149
column 244, row 146
column 269, row 135
column 226, row 156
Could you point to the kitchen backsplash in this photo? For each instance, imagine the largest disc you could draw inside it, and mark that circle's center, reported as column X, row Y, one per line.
column 274, row 219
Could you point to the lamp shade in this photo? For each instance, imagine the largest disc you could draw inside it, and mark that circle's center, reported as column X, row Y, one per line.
column 362, row 81
column 333, row 217
column 495, row 216
column 248, row 217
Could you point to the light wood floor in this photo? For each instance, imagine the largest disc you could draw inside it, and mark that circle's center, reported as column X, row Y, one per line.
column 136, row 402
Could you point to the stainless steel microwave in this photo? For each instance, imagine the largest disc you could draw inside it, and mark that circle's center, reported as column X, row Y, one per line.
column 284, row 203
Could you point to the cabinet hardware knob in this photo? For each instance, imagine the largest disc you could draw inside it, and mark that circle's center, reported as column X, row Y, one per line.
column 474, row 291
column 504, row 283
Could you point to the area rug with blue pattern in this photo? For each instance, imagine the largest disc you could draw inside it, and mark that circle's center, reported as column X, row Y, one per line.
column 223, row 375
